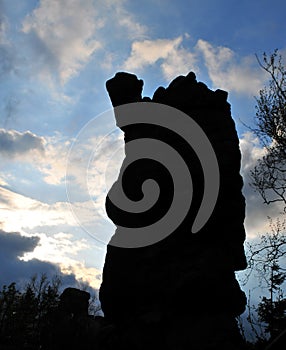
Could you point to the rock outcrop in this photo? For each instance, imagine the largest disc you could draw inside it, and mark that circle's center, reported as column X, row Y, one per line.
column 180, row 292
column 70, row 326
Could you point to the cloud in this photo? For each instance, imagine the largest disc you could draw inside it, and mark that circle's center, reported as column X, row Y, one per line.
column 120, row 17
column 47, row 154
column 62, row 35
column 256, row 211
column 40, row 237
column 63, row 250
column 172, row 57
column 27, row 212
column 15, row 244
column 148, row 52
column 88, row 161
column 12, row 247
column 227, row 71
column 59, row 38
column 83, row 180
column 225, row 68
column 251, row 151
column 15, row 144
column 55, row 225
column 53, row 164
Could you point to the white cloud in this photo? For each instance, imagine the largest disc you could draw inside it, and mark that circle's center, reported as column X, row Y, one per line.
column 256, row 211
column 49, row 155
column 90, row 162
column 3, row 183
column 87, row 175
column 92, row 168
column 62, row 34
column 172, row 57
column 53, row 164
column 179, row 62
column 91, row 275
column 28, row 213
column 108, row 62
column 126, row 20
column 148, row 52
column 225, row 68
column 65, row 251
column 251, row 151
column 228, row 71
column 20, row 144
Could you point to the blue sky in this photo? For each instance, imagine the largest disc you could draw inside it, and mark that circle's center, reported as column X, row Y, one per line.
column 55, row 56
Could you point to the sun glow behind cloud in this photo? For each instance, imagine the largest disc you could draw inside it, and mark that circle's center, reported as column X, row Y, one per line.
column 88, row 186
column 29, row 213
column 60, row 248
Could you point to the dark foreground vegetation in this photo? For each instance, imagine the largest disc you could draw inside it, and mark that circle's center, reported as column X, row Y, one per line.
column 42, row 316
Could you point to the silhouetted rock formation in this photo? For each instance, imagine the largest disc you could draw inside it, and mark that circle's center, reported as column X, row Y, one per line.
column 70, row 326
column 181, row 292
column 74, row 302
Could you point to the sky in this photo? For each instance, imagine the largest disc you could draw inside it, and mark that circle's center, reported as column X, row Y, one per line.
column 59, row 147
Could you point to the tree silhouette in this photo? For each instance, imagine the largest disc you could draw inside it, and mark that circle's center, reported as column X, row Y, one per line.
column 267, row 261
column 34, row 317
column 267, row 257
column 22, row 313
column 269, row 175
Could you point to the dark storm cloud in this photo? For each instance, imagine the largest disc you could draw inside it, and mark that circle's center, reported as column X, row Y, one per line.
column 14, row 143
column 12, row 269
column 12, row 243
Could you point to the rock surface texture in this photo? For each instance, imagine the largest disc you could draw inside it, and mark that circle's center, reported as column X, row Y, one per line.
column 181, row 292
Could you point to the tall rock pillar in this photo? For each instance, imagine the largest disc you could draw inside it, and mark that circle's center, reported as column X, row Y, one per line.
column 180, row 291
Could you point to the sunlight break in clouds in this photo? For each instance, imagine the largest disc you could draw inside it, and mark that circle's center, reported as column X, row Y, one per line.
column 172, row 57
column 60, row 248
column 14, row 269
column 62, row 33
column 88, row 173
column 29, row 213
